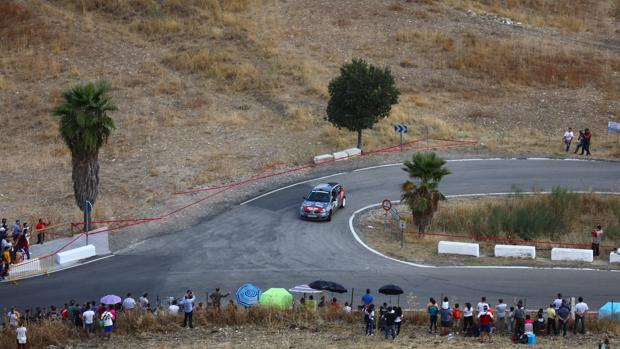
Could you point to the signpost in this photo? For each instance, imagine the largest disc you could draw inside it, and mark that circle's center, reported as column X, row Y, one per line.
column 400, row 128
column 88, row 209
column 403, row 225
column 387, row 205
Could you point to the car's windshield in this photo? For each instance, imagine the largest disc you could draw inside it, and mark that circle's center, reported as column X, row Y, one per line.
column 318, row 196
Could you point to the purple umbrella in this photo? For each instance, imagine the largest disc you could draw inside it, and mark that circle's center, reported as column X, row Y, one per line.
column 110, row 299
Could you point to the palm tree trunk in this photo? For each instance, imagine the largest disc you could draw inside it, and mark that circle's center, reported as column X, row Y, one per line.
column 85, row 177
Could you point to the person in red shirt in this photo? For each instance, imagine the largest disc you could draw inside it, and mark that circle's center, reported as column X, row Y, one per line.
column 40, row 231
column 64, row 313
column 486, row 321
column 457, row 314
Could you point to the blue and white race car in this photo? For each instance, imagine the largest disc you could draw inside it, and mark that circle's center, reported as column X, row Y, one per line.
column 322, row 201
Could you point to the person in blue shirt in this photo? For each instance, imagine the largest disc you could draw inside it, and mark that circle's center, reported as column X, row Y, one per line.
column 564, row 315
column 367, row 298
column 432, row 312
column 188, row 308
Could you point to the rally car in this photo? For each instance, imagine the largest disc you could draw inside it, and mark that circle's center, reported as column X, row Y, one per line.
column 322, row 201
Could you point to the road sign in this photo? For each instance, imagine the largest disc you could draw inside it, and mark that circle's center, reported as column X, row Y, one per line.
column 400, row 128
column 387, row 205
column 403, row 224
column 613, row 126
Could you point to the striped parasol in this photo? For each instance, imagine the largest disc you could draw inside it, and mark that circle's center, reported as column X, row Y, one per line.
column 304, row 289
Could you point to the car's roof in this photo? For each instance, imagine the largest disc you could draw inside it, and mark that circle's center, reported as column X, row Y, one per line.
column 324, row 187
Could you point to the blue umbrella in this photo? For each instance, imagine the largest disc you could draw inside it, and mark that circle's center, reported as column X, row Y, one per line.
column 248, row 295
column 610, row 310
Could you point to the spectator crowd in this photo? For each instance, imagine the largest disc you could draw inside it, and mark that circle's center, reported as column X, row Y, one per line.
column 481, row 320
column 15, row 243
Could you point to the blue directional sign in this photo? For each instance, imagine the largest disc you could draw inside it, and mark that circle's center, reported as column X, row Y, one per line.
column 613, row 126
column 400, row 128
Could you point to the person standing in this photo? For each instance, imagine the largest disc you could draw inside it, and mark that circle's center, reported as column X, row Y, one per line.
column 457, row 314
column 551, row 320
column 216, row 298
column 367, row 298
column 501, row 315
column 519, row 316
column 21, row 335
column 597, row 236
column 347, row 308
column 173, row 308
column 89, row 316
column 129, row 303
column 40, row 228
column 108, row 322
column 587, row 136
column 446, row 318
column 369, row 316
column 563, row 315
column 390, row 316
column 481, row 304
column 399, row 319
column 568, row 138
column 188, row 309
column 432, row 316
column 486, row 321
column 581, row 309
column 16, row 229
column 557, row 303
column 468, row 318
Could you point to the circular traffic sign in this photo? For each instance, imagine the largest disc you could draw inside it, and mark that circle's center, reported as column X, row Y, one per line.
column 387, row 204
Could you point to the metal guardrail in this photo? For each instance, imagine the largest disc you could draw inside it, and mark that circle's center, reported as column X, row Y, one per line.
column 35, row 266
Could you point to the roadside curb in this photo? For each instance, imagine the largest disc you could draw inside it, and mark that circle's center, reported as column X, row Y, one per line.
column 430, row 266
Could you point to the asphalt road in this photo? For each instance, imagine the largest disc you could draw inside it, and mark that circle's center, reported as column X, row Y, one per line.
column 264, row 242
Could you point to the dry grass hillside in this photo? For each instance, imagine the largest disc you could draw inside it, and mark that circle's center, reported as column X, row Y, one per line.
column 213, row 89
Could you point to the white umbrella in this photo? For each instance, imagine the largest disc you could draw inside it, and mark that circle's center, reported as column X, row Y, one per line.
column 304, row 289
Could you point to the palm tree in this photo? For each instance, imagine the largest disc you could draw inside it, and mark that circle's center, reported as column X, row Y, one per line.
column 85, row 127
column 423, row 199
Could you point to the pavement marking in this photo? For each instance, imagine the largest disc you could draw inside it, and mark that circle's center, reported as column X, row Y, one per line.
column 428, row 266
column 290, row 186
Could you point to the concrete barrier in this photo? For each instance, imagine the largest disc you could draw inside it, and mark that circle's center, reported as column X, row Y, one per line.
column 319, row 159
column 571, row 254
column 462, row 248
column 340, row 155
column 614, row 258
column 353, row 152
column 75, row 254
column 518, row 251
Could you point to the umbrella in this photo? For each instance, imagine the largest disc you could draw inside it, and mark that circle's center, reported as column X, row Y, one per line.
column 248, row 295
column 327, row 286
column 390, row 290
column 304, row 289
column 610, row 310
column 110, row 299
column 277, row 298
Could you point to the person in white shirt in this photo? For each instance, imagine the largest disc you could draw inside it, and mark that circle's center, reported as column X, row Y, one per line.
column 173, row 308
column 129, row 303
column 468, row 318
column 13, row 318
column 108, row 322
column 500, row 309
column 558, row 302
column 347, row 308
column 89, row 316
column 21, row 336
column 482, row 304
column 568, row 137
column 581, row 309
column 144, row 301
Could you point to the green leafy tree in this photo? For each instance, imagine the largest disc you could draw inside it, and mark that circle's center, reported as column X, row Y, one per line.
column 360, row 96
column 423, row 199
column 85, row 127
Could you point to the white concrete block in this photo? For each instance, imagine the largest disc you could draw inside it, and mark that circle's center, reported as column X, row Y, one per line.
column 25, row 268
column 462, row 248
column 614, row 257
column 571, row 254
column 518, row 251
column 75, row 254
column 319, row 159
column 340, row 155
column 353, row 152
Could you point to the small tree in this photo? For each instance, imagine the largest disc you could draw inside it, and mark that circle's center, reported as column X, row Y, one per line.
column 85, row 127
column 360, row 96
column 423, row 199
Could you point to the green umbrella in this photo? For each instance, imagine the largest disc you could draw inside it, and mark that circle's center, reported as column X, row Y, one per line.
column 277, row 298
